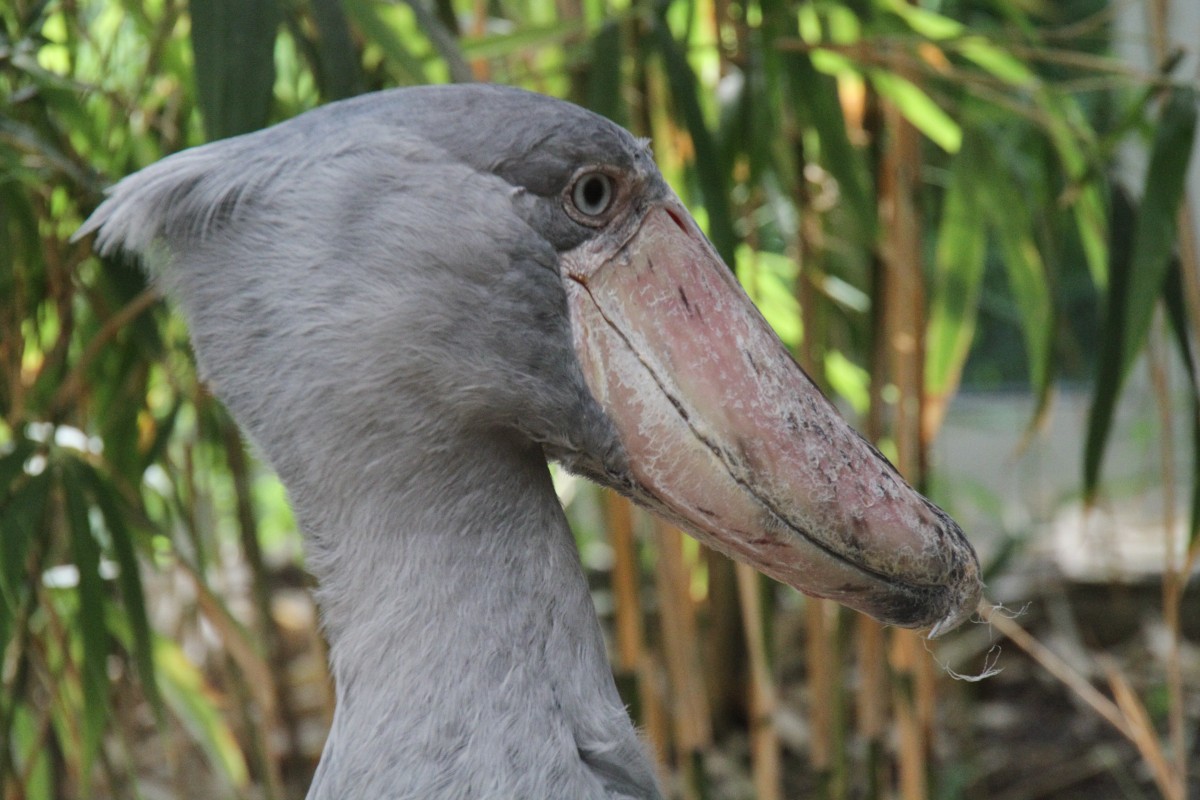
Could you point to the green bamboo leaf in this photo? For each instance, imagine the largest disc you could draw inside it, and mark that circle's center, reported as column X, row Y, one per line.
column 1108, row 365
column 85, row 551
column 1069, row 131
column 442, row 39
column 340, row 73
column 1027, row 282
column 163, row 428
column 769, row 278
column 185, row 693
column 1195, row 517
column 929, row 24
column 1154, row 237
column 1173, row 294
column 234, row 46
column 814, row 97
column 12, row 467
column 995, row 60
column 376, row 29
column 1091, row 221
column 30, row 757
column 21, row 520
column 129, row 579
column 604, row 76
column 958, row 277
column 1009, row 219
column 1136, row 280
column 919, row 109
column 709, row 169
column 523, row 39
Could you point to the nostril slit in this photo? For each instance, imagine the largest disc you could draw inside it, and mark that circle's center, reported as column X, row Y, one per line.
column 678, row 221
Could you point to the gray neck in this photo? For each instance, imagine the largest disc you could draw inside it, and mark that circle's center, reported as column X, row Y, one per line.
column 464, row 644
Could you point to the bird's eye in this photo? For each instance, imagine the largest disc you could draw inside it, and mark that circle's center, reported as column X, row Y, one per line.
column 593, row 194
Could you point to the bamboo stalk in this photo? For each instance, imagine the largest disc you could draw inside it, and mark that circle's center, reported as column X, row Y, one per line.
column 633, row 658
column 627, row 613
column 279, row 716
column 764, row 700
column 872, row 699
column 75, row 381
column 1173, row 579
column 1056, row 666
column 1189, row 267
column 689, row 712
column 903, row 331
column 904, row 656
column 1172, row 778
column 1145, row 738
column 822, row 654
column 820, row 686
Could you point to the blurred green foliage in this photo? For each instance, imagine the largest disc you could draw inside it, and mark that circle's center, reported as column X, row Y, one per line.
column 117, row 467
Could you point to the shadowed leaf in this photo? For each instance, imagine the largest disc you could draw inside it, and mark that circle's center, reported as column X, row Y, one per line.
column 234, row 46
column 340, row 74
column 958, row 277
column 1173, row 294
column 129, row 579
column 815, row 98
column 1137, row 273
column 85, row 551
column 604, row 77
column 711, row 176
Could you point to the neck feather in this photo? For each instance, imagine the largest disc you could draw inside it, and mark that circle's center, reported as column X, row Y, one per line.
column 465, row 648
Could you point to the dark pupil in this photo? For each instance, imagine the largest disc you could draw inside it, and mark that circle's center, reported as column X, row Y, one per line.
column 593, row 192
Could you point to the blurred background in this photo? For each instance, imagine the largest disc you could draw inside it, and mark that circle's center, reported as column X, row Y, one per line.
column 974, row 222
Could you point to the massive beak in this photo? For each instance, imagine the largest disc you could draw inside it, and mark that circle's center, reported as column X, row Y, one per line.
column 727, row 436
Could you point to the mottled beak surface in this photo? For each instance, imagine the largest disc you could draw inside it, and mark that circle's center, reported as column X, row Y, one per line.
column 728, row 437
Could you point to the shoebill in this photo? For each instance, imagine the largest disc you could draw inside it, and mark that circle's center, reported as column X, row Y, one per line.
column 410, row 301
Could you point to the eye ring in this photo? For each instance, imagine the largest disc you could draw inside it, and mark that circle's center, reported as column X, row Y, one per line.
column 592, row 195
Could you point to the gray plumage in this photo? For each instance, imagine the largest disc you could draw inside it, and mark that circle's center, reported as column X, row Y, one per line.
column 372, row 289
column 410, row 301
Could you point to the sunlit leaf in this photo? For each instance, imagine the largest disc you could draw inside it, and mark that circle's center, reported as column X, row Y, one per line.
column 957, row 278
column 924, row 21
column 31, row 757
column 442, row 39
column 815, row 98
column 522, row 40
column 365, row 14
column 995, row 60
column 919, row 109
column 848, row 381
column 185, row 693
column 1091, row 221
column 768, row 279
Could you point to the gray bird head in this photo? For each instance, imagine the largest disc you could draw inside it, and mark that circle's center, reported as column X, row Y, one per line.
column 440, row 263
